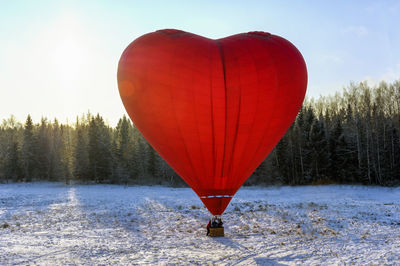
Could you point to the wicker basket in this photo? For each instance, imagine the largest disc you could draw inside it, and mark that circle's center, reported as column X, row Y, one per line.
column 219, row 231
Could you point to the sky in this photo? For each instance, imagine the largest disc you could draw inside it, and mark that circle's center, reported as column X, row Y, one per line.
column 58, row 59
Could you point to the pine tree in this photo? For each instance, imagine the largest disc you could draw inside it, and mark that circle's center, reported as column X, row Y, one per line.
column 66, row 152
column 338, row 154
column 81, row 165
column 29, row 150
column 306, row 157
column 318, row 150
column 139, row 157
column 151, row 162
column 282, row 159
column 13, row 169
column 123, row 147
column 43, row 155
column 298, row 148
column 99, row 150
column 57, row 167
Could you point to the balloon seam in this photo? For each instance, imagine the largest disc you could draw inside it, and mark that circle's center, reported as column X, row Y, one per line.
column 221, row 53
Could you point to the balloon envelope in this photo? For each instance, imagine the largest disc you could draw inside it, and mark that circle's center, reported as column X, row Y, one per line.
column 213, row 109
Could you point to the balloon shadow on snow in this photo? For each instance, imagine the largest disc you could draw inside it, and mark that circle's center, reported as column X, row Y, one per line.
column 266, row 261
column 248, row 254
column 227, row 241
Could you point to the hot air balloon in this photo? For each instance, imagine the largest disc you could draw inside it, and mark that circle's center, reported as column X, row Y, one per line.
column 213, row 109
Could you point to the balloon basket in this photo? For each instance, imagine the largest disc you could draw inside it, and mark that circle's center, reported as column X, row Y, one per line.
column 217, row 232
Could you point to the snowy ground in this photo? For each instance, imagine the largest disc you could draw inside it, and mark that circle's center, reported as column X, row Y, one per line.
column 49, row 223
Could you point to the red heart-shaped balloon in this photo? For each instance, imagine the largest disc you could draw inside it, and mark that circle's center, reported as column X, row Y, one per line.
column 213, row 109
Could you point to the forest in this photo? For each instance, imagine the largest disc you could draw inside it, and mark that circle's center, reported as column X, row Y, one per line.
column 351, row 137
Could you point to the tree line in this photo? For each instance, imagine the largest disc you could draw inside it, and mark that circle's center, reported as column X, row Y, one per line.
column 88, row 151
column 349, row 138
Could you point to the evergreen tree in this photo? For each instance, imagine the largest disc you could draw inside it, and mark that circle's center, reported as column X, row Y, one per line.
column 338, row 154
column 43, row 155
column 57, row 152
column 81, row 165
column 282, row 159
column 306, row 158
column 29, row 150
column 318, row 150
column 13, row 169
column 99, row 150
column 67, row 153
column 140, row 157
column 151, row 161
column 123, row 148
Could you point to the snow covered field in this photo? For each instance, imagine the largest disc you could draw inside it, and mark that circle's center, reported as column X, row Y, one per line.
column 50, row 223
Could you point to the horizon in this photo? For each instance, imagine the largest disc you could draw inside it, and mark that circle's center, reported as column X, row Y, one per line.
column 85, row 117
column 59, row 59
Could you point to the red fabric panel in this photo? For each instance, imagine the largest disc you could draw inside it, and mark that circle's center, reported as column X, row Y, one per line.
column 213, row 109
column 216, row 205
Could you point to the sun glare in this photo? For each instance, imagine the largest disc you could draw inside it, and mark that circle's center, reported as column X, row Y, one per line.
column 68, row 53
column 60, row 63
column 68, row 58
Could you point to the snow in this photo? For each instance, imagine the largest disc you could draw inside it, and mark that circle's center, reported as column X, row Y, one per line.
column 51, row 223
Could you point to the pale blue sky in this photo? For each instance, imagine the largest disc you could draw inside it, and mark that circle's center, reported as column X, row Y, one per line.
column 59, row 58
